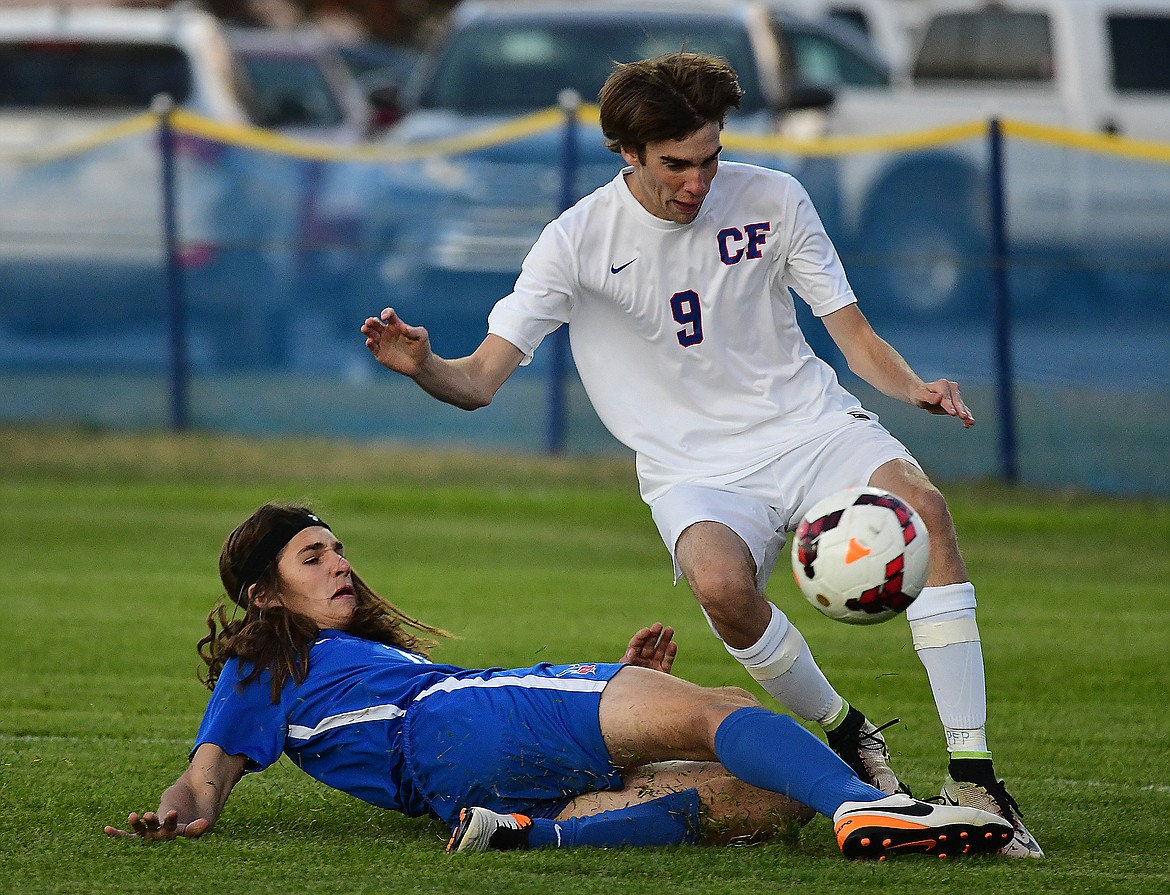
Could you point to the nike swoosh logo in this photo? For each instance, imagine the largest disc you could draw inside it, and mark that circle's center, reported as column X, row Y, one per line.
column 914, row 809
column 613, row 269
column 864, row 813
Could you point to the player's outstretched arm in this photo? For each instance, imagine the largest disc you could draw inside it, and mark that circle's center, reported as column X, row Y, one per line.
column 652, row 647
column 467, row 382
column 190, row 806
column 873, row 359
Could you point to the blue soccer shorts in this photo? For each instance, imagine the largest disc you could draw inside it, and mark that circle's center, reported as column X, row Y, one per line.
column 524, row 740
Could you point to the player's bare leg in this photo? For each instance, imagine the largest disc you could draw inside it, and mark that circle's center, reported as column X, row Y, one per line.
column 721, row 573
column 769, row 751
column 946, row 639
column 732, row 811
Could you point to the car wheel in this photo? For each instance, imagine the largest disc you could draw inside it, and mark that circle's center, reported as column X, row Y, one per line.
column 933, row 266
column 924, row 244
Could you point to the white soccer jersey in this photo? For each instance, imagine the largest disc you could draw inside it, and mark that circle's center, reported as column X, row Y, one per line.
column 685, row 335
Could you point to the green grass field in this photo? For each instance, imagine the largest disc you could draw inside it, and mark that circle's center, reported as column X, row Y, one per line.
column 108, row 555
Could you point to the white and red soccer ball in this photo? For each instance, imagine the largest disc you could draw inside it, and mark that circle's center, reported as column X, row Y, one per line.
column 860, row 556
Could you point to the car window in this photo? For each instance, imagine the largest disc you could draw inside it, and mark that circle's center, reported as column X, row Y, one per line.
column 988, row 45
column 1138, row 46
column 85, row 75
column 855, row 18
column 290, row 91
column 508, row 68
column 822, row 62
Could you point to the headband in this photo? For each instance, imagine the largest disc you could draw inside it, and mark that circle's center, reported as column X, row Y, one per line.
column 270, row 545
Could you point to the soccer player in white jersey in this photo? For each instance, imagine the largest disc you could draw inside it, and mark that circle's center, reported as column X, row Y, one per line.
column 675, row 285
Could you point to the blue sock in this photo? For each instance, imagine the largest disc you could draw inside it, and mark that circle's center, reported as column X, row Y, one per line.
column 773, row 752
column 669, row 820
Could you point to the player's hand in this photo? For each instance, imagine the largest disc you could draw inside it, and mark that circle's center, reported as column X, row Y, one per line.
column 150, row 826
column 942, row 397
column 395, row 344
column 652, row 647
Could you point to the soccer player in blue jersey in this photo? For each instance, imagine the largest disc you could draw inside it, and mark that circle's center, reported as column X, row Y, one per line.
column 322, row 669
column 676, row 281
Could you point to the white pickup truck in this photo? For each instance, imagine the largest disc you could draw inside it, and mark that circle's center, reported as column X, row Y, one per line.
column 1077, row 218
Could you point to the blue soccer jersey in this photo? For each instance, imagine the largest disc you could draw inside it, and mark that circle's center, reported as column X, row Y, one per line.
column 342, row 725
column 346, row 725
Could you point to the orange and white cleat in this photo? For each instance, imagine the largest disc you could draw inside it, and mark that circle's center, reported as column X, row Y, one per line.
column 899, row 824
column 482, row 830
column 996, row 799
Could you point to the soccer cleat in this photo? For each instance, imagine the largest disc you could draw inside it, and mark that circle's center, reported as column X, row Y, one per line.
column 899, row 824
column 863, row 748
column 998, row 801
column 482, row 830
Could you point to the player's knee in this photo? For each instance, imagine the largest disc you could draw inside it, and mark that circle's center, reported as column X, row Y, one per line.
column 929, row 503
column 723, row 588
column 737, row 697
column 717, row 705
column 932, row 507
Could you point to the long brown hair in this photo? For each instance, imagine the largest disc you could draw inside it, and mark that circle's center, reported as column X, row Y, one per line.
column 665, row 98
column 276, row 638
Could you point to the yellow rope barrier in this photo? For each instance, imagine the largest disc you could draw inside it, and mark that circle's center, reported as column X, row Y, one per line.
column 548, row 119
column 1090, row 142
column 515, row 129
column 119, row 130
column 940, row 136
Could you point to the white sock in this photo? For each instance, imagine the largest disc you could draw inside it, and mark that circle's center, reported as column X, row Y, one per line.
column 784, row 666
column 946, row 639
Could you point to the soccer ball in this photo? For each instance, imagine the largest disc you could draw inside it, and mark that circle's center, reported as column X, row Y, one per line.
column 860, row 556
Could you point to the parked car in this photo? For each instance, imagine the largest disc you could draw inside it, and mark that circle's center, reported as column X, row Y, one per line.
column 301, row 85
column 81, row 250
column 67, row 71
column 1079, row 221
column 495, row 60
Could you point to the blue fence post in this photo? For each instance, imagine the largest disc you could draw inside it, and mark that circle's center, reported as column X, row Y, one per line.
column 570, row 103
column 1001, row 306
column 164, row 106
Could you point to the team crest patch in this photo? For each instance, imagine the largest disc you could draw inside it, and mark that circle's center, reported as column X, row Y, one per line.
column 579, row 669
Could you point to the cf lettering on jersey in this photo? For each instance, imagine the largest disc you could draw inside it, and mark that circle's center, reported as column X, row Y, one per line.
column 736, row 244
